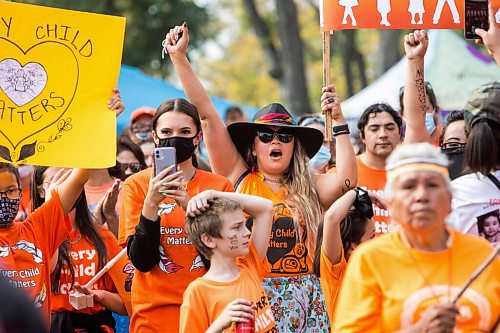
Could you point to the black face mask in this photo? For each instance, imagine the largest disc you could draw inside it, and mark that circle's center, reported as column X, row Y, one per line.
column 184, row 147
column 456, row 159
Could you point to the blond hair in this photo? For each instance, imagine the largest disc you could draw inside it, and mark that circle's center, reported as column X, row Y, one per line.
column 209, row 223
column 302, row 198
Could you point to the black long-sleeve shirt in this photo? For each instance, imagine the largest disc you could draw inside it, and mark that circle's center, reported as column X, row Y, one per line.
column 143, row 246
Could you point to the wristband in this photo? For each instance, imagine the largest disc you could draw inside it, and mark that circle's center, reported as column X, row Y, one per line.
column 340, row 130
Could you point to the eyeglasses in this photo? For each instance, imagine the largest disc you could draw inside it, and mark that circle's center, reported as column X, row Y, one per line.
column 453, row 145
column 267, row 136
column 134, row 167
column 13, row 193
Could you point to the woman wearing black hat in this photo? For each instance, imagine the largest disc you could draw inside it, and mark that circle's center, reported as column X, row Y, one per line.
column 268, row 157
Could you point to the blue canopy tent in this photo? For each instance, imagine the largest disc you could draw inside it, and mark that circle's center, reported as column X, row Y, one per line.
column 139, row 89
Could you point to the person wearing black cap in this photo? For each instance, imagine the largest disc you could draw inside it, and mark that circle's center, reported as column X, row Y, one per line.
column 478, row 192
column 268, row 157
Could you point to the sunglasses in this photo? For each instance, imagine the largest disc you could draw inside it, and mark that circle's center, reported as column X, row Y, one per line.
column 266, row 136
column 453, row 145
column 134, row 167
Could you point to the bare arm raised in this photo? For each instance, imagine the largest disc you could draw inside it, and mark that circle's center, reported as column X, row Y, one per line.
column 224, row 157
column 259, row 208
column 332, row 240
column 331, row 186
column 415, row 99
column 69, row 184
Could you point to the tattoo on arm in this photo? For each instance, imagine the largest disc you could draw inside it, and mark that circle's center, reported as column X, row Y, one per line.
column 419, row 82
column 347, row 186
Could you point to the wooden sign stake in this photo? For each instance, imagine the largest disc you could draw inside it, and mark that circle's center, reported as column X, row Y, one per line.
column 326, row 81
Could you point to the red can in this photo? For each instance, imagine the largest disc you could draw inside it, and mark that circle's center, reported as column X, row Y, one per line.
column 248, row 327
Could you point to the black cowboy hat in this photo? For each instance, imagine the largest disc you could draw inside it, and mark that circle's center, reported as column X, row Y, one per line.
column 275, row 114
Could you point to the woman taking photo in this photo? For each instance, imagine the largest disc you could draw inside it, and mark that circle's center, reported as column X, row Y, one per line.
column 153, row 214
column 268, row 157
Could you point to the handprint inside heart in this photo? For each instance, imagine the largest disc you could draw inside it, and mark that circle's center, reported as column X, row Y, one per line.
column 22, row 84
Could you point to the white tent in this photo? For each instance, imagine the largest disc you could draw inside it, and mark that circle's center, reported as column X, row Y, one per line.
column 452, row 66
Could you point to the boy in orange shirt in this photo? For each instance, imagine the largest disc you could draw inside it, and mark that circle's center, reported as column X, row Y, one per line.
column 231, row 291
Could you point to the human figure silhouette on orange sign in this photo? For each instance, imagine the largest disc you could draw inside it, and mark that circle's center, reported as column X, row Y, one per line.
column 384, row 7
column 348, row 4
column 416, row 7
column 439, row 9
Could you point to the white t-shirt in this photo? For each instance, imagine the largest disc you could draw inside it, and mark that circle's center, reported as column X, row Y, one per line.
column 476, row 206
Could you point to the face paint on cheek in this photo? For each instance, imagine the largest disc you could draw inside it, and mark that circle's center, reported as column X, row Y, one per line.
column 234, row 242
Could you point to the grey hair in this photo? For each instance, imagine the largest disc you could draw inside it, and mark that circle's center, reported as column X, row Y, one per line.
column 416, row 152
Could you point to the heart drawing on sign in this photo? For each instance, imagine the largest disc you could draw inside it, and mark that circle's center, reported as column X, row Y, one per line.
column 22, row 84
column 37, row 87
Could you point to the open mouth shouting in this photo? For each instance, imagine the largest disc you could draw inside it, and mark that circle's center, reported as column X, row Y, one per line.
column 276, row 154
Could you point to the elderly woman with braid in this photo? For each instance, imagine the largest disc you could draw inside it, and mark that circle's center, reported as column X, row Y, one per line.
column 407, row 280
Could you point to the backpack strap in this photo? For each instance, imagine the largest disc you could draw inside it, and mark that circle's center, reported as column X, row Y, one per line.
column 494, row 180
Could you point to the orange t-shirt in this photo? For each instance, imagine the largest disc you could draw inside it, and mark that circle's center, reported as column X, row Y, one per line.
column 385, row 290
column 26, row 249
column 157, row 294
column 373, row 180
column 94, row 195
column 85, row 261
column 205, row 300
column 331, row 279
column 285, row 256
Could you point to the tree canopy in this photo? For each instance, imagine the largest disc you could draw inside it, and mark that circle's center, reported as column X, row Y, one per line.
column 147, row 23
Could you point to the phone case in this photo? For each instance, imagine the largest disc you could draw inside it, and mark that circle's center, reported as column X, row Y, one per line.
column 476, row 16
column 164, row 157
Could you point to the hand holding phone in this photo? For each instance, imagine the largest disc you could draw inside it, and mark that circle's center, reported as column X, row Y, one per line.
column 476, row 17
column 491, row 38
column 164, row 157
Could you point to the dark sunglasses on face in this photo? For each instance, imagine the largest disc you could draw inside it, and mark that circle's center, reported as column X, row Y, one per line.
column 266, row 136
column 453, row 145
column 134, row 167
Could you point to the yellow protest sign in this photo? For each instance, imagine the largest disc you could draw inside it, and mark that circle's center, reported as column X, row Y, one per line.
column 57, row 71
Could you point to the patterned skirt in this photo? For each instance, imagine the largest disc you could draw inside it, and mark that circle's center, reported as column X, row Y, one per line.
column 297, row 303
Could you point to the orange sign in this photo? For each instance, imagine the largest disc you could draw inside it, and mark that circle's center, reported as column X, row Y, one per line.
column 391, row 14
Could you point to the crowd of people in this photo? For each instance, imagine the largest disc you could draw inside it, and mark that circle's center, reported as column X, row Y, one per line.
column 275, row 229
